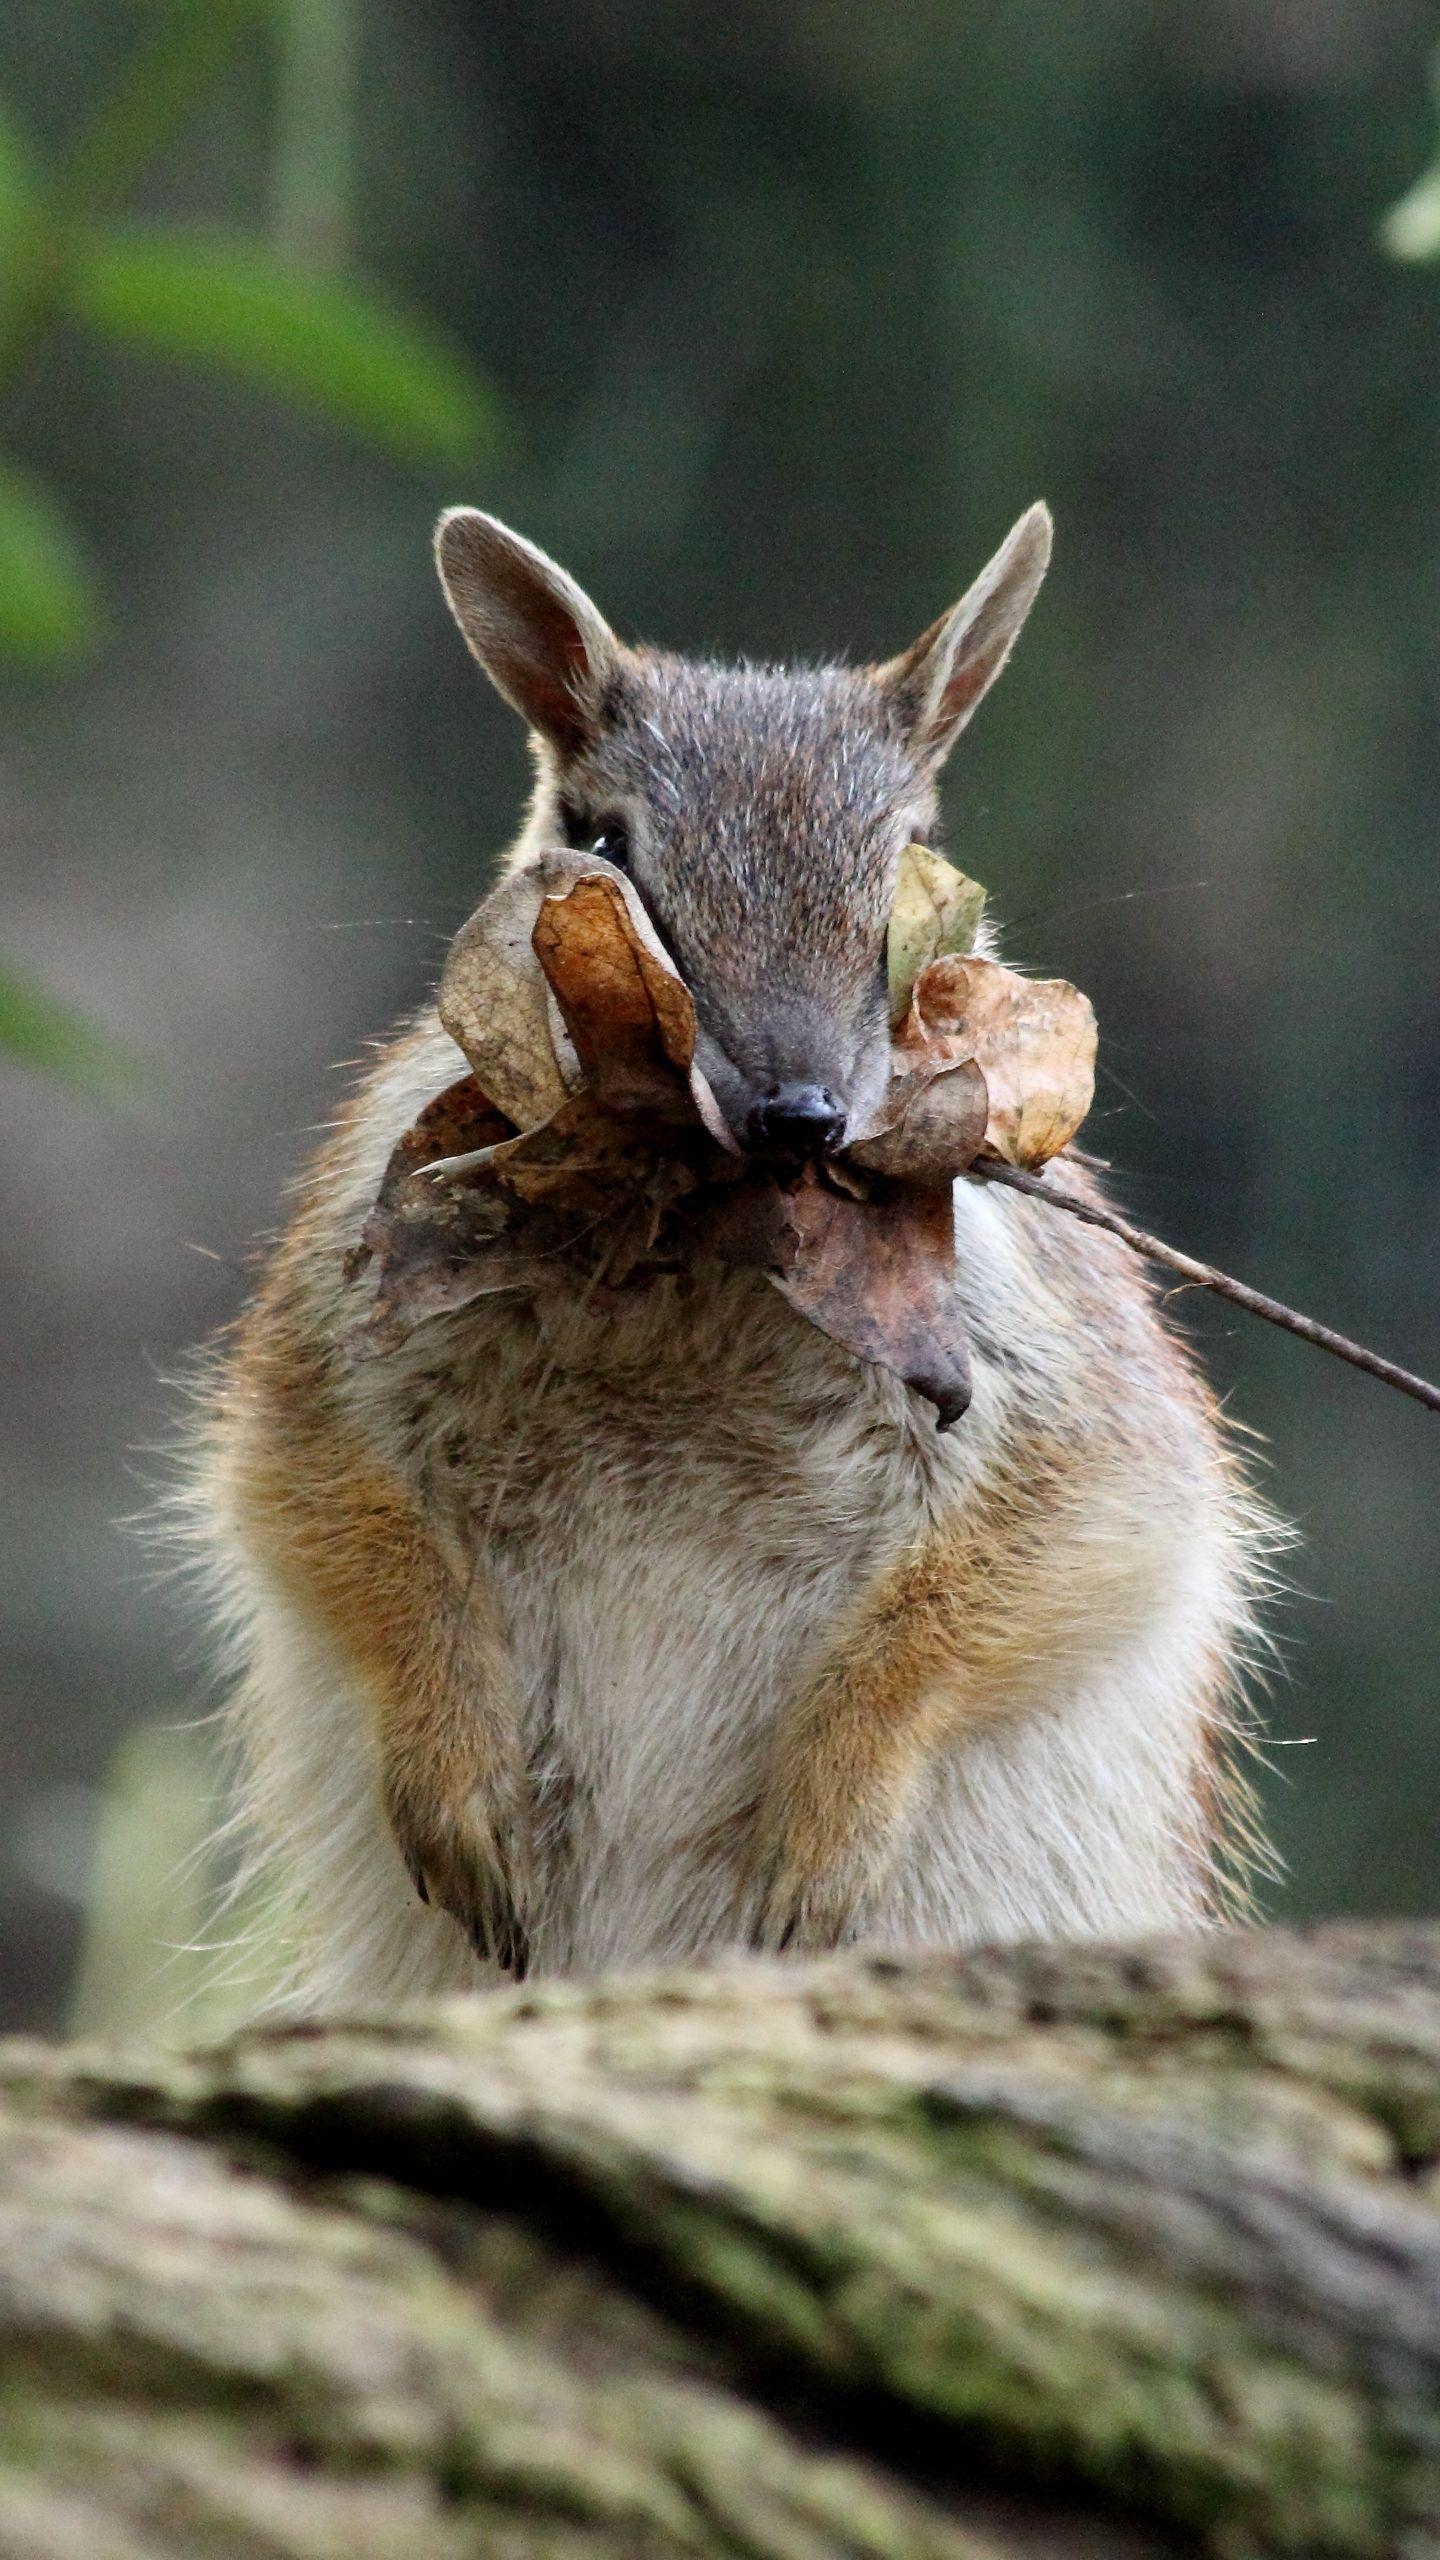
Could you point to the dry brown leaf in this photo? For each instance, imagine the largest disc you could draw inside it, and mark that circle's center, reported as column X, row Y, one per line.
column 930, row 1124
column 565, row 946
column 879, row 1278
column 607, row 1153
column 494, row 1002
column 434, row 1246
column 745, row 1224
column 916, row 1059
column 625, row 1006
column 1033, row 1040
column 937, row 1130
column 589, row 1148
column 515, row 1214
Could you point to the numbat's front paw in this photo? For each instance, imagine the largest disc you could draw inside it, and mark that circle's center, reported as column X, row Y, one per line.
column 473, row 1860
column 796, row 1916
column 792, row 1908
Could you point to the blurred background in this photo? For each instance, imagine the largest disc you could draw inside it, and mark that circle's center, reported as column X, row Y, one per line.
column 768, row 321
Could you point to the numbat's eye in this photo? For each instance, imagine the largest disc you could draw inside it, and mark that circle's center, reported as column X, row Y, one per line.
column 612, row 842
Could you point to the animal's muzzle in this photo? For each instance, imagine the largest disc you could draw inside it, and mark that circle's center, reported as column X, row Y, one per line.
column 804, row 1120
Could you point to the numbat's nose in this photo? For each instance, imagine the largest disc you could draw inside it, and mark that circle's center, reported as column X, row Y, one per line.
column 797, row 1119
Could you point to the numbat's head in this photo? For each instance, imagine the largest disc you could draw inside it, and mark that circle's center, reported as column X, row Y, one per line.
column 759, row 811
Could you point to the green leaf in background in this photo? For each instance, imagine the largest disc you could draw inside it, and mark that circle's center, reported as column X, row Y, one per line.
column 154, row 1892
column 324, row 345
column 41, row 1032
column 1411, row 228
column 18, row 181
column 47, row 602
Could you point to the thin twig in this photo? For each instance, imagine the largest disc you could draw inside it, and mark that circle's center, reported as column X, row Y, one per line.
column 1203, row 1275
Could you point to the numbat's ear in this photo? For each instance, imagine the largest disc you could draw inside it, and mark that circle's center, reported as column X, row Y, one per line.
column 537, row 635
column 936, row 684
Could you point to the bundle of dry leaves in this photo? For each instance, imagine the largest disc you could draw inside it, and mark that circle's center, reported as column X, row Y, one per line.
column 586, row 1138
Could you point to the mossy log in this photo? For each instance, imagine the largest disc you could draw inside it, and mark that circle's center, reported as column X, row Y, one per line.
column 1066, row 2251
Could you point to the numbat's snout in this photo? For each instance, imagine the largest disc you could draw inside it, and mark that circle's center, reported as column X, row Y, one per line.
column 797, row 1120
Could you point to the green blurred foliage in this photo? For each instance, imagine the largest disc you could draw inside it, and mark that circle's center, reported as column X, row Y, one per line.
column 323, row 343
column 48, row 606
column 19, row 186
column 320, row 342
column 41, row 1032
column 1411, row 228
column 150, row 1903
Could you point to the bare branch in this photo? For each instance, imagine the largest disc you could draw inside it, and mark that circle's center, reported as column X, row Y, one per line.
column 1203, row 1275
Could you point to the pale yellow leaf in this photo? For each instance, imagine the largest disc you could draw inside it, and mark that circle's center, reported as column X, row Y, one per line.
column 936, row 910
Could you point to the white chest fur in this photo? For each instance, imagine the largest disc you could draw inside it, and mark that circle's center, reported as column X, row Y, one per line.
column 677, row 1502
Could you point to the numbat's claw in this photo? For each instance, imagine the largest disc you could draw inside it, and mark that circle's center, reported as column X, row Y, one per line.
column 790, row 1913
column 474, row 1865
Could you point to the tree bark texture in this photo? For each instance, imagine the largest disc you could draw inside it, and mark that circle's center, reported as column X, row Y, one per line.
column 1057, row 2251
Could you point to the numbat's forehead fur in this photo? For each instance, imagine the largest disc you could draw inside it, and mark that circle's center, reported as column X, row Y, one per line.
column 717, row 767
column 633, row 1622
column 766, row 811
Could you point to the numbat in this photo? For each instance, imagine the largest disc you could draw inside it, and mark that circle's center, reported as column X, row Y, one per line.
column 603, row 1621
